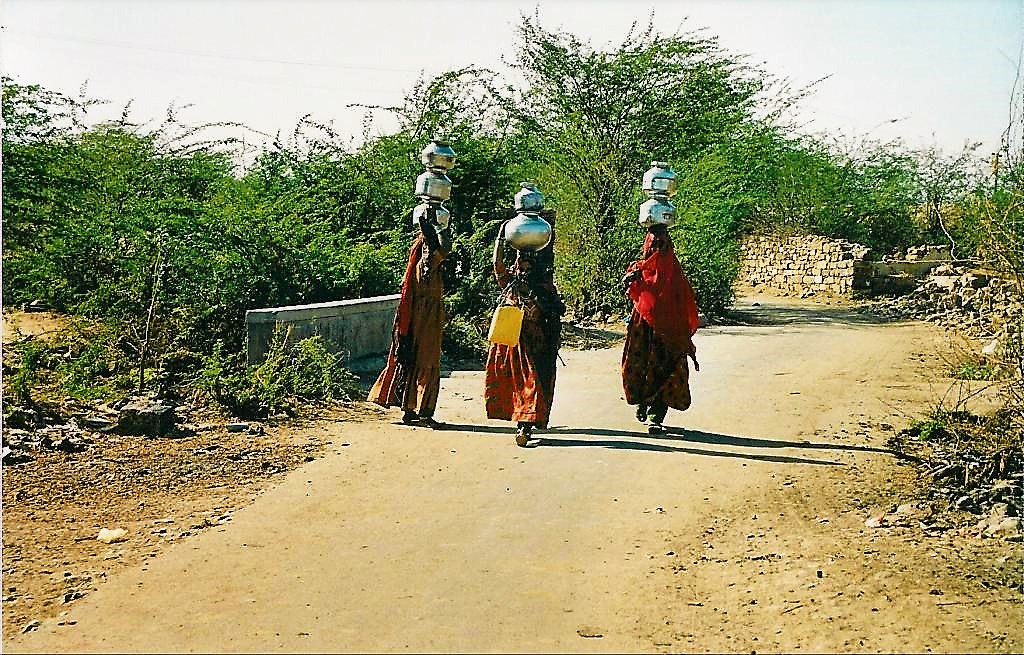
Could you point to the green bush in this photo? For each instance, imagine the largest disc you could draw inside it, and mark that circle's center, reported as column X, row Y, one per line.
column 25, row 369
column 291, row 374
column 92, row 366
column 464, row 340
column 974, row 368
column 942, row 425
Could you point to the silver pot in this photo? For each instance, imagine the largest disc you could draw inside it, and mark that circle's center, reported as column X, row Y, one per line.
column 659, row 179
column 529, row 198
column 438, row 154
column 444, row 217
column 432, row 185
column 527, row 231
column 657, row 212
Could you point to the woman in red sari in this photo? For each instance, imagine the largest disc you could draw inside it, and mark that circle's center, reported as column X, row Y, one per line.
column 659, row 339
column 412, row 376
column 520, row 380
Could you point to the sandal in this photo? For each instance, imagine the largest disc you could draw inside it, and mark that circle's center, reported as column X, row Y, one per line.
column 523, row 435
column 641, row 413
column 410, row 418
column 655, row 428
column 522, row 438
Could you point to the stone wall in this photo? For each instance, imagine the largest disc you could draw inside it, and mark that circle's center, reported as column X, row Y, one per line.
column 804, row 264
column 973, row 302
column 356, row 328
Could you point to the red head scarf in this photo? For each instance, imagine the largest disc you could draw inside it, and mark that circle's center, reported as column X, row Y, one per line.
column 662, row 294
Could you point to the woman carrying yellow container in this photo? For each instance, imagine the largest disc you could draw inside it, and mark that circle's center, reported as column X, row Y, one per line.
column 520, row 372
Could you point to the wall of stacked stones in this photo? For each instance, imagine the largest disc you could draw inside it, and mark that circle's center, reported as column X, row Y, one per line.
column 811, row 264
column 970, row 301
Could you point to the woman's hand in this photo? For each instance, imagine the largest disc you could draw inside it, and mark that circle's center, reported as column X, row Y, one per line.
column 628, row 279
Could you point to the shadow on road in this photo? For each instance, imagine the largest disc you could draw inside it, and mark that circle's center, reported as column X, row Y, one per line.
column 469, row 427
column 545, row 440
column 628, row 440
column 772, row 315
column 699, row 436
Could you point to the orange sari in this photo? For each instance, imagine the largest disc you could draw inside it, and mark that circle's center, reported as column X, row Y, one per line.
column 520, row 380
column 659, row 336
column 411, row 378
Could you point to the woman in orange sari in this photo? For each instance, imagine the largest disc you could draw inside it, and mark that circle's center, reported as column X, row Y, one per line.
column 659, row 339
column 520, row 380
column 411, row 378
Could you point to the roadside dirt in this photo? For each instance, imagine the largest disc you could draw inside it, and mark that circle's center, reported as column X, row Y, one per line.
column 743, row 529
column 161, row 490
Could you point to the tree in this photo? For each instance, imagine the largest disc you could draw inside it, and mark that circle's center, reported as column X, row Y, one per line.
column 598, row 119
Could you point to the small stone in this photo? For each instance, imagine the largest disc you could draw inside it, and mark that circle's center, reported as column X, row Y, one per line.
column 144, row 417
column 876, row 521
column 112, row 536
column 966, row 503
column 98, row 423
column 71, row 595
column 1007, row 527
column 30, row 626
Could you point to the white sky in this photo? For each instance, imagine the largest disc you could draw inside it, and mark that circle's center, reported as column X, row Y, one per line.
column 944, row 69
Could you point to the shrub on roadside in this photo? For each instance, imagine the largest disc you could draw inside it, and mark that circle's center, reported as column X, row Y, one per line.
column 464, row 340
column 291, row 374
column 24, row 369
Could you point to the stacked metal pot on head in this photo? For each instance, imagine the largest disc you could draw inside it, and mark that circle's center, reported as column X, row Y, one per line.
column 433, row 186
column 659, row 183
column 528, row 231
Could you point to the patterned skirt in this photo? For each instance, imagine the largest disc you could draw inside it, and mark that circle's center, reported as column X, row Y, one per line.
column 415, row 388
column 520, row 380
column 650, row 371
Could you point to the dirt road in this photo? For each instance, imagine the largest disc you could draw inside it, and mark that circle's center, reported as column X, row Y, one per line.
column 741, row 530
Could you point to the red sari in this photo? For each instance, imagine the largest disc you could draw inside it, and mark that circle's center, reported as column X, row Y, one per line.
column 659, row 335
column 411, row 378
column 520, row 380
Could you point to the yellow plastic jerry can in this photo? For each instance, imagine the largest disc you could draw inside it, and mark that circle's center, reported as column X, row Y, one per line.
column 506, row 325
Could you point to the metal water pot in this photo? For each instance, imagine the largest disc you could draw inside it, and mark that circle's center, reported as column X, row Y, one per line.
column 529, row 198
column 433, row 185
column 656, row 211
column 438, row 154
column 527, row 231
column 659, row 179
column 444, row 217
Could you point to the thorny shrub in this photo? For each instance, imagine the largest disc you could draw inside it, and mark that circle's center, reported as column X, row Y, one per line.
column 292, row 374
column 965, row 448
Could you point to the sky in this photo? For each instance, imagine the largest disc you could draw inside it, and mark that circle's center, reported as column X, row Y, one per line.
column 928, row 72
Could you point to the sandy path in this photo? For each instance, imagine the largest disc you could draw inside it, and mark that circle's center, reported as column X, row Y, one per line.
column 601, row 539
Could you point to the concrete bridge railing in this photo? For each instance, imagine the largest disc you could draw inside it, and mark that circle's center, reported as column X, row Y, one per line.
column 357, row 328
